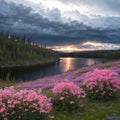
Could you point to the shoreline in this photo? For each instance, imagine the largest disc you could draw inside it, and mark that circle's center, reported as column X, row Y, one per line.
column 27, row 65
column 75, row 76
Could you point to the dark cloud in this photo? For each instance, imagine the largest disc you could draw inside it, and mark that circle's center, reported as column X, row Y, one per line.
column 22, row 20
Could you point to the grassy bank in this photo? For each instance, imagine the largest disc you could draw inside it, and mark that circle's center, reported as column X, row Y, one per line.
column 16, row 52
column 91, row 110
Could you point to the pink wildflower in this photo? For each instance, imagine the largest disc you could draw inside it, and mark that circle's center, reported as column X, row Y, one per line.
column 101, row 82
column 68, row 95
column 34, row 100
column 61, row 98
column 72, row 102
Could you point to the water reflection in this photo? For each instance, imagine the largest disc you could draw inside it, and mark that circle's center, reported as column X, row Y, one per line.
column 67, row 64
column 90, row 62
column 64, row 65
column 70, row 63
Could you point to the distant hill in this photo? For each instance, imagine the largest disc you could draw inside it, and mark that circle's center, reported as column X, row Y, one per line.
column 16, row 52
column 109, row 54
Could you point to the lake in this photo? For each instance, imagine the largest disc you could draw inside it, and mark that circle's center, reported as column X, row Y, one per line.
column 65, row 64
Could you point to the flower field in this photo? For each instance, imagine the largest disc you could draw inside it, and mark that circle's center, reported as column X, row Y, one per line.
column 75, row 76
column 89, row 93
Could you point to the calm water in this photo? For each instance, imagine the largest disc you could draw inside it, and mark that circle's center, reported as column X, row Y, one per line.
column 65, row 64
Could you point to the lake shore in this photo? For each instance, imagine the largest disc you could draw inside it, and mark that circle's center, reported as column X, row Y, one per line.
column 75, row 76
column 27, row 65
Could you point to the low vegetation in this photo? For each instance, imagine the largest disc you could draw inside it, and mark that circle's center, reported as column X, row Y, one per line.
column 23, row 104
column 81, row 73
column 7, row 82
column 67, row 96
column 105, row 67
column 97, row 99
column 101, row 84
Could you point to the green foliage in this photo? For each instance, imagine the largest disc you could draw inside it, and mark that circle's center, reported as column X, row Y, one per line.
column 23, row 104
column 68, row 96
column 8, row 81
column 81, row 73
column 109, row 54
column 65, row 104
column 93, row 110
column 105, row 66
column 28, row 116
column 16, row 53
column 92, row 94
column 101, row 84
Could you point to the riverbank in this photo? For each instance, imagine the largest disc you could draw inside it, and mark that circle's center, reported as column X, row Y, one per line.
column 17, row 53
column 27, row 65
column 75, row 76
column 16, row 69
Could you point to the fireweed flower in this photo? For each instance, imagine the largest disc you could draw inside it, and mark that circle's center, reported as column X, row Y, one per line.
column 101, row 84
column 19, row 104
column 68, row 95
column 64, row 87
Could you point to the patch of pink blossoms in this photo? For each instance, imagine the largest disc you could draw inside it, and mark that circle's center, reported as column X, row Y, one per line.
column 59, row 88
column 12, row 102
column 68, row 96
column 102, row 82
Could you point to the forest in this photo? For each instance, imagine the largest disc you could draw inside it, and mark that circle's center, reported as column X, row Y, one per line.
column 17, row 51
column 109, row 54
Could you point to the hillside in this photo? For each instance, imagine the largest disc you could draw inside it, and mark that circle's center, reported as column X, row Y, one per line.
column 109, row 54
column 16, row 52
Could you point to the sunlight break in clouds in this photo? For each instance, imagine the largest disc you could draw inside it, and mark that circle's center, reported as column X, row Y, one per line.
column 64, row 22
column 86, row 46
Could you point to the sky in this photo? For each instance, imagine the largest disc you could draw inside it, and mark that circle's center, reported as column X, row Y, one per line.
column 64, row 25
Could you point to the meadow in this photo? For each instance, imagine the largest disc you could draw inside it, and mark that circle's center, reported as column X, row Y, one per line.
column 95, row 96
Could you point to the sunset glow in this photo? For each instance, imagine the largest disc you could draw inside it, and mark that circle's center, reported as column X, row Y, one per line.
column 64, row 25
column 85, row 46
column 67, row 48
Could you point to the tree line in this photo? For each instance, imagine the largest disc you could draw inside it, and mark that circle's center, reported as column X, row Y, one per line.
column 22, row 38
column 109, row 54
column 15, row 50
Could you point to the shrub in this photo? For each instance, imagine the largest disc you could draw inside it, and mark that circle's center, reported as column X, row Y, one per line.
column 67, row 96
column 23, row 104
column 101, row 84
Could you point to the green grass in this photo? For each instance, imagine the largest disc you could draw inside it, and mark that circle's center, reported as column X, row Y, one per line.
column 7, row 82
column 105, row 67
column 93, row 110
column 81, row 73
column 19, row 53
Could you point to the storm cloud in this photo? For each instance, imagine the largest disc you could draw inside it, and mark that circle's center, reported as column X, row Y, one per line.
column 50, row 26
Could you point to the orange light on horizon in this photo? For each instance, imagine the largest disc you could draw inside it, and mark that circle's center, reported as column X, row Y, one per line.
column 85, row 46
column 67, row 48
